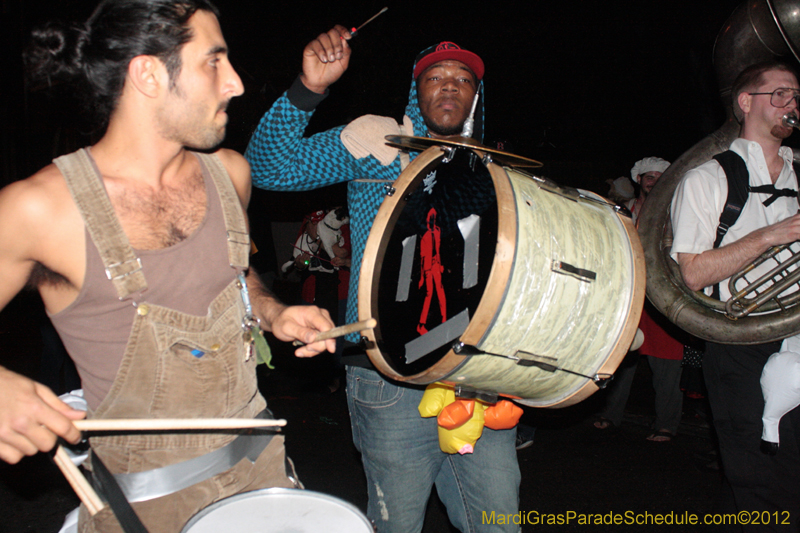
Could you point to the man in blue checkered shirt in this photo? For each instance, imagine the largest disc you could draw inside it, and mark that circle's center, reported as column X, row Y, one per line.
column 400, row 450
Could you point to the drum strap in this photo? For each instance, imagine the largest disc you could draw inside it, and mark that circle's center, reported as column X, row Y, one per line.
column 151, row 484
column 105, row 485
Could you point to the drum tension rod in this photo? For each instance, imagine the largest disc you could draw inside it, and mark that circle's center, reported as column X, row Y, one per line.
column 604, row 202
column 542, row 361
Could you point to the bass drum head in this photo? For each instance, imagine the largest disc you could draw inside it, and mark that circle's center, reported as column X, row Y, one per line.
column 279, row 510
column 432, row 268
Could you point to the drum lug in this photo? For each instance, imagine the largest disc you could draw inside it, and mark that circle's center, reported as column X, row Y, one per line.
column 622, row 210
column 582, row 274
column 602, row 380
column 465, row 349
column 462, row 391
column 366, row 344
column 449, row 153
column 487, row 159
column 389, row 190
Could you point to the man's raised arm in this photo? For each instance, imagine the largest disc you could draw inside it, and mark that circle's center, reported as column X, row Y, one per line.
column 282, row 158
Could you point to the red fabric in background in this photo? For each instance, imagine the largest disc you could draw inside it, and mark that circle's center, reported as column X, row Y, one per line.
column 657, row 342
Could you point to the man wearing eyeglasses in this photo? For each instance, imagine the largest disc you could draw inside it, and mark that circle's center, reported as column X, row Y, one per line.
column 763, row 94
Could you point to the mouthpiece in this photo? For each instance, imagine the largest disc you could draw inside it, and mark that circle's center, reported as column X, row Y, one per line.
column 791, row 120
column 469, row 124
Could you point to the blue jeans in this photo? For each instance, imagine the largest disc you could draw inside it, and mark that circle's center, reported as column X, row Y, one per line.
column 402, row 461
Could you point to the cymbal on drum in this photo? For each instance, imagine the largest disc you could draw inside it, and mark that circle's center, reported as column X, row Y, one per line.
column 423, row 143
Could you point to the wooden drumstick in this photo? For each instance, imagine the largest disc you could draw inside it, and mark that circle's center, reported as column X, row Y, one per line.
column 78, row 482
column 341, row 331
column 84, row 490
column 354, row 31
column 167, row 424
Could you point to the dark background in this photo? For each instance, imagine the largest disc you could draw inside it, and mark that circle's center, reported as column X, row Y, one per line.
column 586, row 87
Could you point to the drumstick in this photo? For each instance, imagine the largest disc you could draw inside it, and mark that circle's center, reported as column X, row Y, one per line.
column 78, row 483
column 354, row 31
column 341, row 331
column 161, row 424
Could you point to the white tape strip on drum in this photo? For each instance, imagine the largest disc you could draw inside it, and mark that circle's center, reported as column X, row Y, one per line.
column 470, row 228
column 437, row 337
column 406, row 264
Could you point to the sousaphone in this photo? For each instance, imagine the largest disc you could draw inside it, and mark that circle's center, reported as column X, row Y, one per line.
column 758, row 30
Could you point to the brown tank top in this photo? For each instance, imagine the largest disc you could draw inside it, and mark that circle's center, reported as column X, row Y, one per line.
column 96, row 326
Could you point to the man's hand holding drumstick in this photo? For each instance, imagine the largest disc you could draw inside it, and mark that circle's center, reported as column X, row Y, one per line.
column 325, row 59
column 341, row 331
column 32, row 418
column 287, row 323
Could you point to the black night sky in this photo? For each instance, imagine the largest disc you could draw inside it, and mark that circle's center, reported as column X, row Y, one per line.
column 587, row 87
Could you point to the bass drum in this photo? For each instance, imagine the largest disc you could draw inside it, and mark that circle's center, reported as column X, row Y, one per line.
column 499, row 282
column 279, row 511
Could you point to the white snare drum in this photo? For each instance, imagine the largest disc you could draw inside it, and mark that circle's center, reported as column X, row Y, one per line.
column 504, row 283
column 279, row 510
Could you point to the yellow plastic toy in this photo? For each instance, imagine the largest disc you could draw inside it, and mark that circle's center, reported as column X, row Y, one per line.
column 461, row 421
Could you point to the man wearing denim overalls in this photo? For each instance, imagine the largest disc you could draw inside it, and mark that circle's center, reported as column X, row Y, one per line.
column 139, row 248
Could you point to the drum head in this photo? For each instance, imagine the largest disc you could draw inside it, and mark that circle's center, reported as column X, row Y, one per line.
column 437, row 262
column 279, row 510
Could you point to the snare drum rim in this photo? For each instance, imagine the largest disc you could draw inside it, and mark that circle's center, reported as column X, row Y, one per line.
column 275, row 491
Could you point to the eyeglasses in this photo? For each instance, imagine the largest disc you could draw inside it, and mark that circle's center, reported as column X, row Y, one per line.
column 782, row 96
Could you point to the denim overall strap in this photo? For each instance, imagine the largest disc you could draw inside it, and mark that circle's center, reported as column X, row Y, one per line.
column 238, row 236
column 123, row 266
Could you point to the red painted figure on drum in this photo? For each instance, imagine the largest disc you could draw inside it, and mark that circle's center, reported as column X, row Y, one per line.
column 431, row 271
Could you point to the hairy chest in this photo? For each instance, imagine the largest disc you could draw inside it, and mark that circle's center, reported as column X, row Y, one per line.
column 156, row 219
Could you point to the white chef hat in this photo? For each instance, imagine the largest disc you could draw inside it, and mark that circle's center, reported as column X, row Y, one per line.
column 648, row 164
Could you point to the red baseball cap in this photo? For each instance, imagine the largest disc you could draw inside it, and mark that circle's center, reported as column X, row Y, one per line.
column 448, row 51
